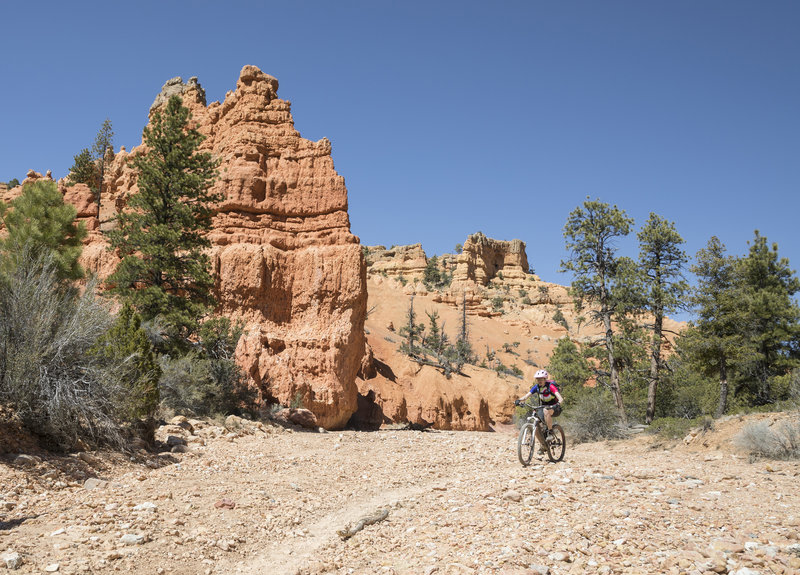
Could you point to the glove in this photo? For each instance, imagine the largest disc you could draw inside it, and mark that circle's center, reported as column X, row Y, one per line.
column 517, row 402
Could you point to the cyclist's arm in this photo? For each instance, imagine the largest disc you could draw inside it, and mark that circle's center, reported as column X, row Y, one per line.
column 559, row 398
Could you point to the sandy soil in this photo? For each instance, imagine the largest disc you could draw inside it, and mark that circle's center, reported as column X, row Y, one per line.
column 271, row 501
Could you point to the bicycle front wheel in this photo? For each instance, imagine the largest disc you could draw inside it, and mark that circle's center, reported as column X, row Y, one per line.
column 557, row 446
column 525, row 444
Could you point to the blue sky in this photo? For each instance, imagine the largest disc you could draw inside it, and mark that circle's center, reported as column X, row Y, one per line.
column 451, row 117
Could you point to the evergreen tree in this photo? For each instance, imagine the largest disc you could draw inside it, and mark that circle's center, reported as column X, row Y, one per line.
column 412, row 331
column 714, row 341
column 772, row 317
column 164, row 271
column 90, row 166
column 464, row 353
column 126, row 345
column 84, row 170
column 433, row 277
column 40, row 221
column 662, row 261
column 598, row 276
column 569, row 368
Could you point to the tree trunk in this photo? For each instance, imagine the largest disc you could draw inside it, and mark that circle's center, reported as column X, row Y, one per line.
column 655, row 364
column 723, row 389
column 614, row 372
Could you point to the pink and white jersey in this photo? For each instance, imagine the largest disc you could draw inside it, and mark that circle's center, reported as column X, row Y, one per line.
column 547, row 393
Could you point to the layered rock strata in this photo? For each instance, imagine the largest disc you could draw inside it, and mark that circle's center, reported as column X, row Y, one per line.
column 406, row 261
column 484, row 259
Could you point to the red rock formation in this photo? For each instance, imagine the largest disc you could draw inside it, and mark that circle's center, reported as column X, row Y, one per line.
column 283, row 253
column 484, row 259
column 406, row 261
column 285, row 260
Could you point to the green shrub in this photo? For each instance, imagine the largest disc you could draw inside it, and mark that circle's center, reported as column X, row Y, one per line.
column 497, row 303
column 207, row 381
column 592, row 417
column 671, row 427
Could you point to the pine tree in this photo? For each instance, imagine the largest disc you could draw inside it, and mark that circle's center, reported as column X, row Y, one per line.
column 90, row 166
column 714, row 341
column 464, row 353
column 569, row 368
column 126, row 345
column 164, row 271
column 412, row 331
column 662, row 261
column 102, row 153
column 599, row 276
column 772, row 317
column 39, row 221
column 84, row 170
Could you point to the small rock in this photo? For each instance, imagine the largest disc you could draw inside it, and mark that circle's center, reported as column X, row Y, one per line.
column 512, row 495
column 132, row 539
column 13, row 560
column 173, row 440
column 7, row 505
column 94, row 483
column 89, row 459
column 179, row 449
column 52, row 568
column 26, row 460
column 225, row 503
column 146, row 506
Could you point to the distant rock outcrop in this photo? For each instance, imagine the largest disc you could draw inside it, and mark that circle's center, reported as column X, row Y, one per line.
column 406, row 261
column 484, row 259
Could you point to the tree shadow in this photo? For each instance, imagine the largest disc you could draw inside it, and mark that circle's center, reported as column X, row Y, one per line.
column 8, row 525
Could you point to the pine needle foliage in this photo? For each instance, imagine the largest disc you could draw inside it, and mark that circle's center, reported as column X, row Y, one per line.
column 164, row 270
column 126, row 344
column 39, row 224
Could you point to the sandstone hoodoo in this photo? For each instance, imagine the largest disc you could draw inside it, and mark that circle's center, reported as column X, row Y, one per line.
column 285, row 260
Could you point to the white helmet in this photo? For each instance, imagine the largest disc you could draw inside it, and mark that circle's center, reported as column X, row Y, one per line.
column 541, row 373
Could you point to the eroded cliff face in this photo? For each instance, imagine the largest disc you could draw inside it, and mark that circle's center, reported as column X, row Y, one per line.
column 484, row 259
column 285, row 260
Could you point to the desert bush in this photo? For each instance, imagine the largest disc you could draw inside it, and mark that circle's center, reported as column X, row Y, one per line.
column 671, row 427
column 762, row 440
column 207, row 380
column 497, row 303
column 60, row 388
column 592, row 417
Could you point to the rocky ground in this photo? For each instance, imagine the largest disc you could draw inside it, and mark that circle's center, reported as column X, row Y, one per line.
column 260, row 499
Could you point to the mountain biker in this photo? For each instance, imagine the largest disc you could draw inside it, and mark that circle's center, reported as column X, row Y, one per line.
column 549, row 396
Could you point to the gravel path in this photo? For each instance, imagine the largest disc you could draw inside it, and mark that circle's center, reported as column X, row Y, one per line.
column 267, row 501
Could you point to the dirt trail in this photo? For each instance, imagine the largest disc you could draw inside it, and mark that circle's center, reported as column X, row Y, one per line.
column 459, row 503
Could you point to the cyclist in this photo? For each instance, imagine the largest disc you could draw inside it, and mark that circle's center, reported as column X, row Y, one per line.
column 549, row 396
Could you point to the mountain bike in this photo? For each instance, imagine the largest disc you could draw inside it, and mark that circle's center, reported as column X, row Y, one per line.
column 533, row 431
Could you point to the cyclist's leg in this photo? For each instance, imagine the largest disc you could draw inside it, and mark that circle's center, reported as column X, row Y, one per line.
column 548, row 417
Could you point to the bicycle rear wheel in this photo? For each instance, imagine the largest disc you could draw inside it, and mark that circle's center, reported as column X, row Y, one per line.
column 525, row 444
column 557, row 446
